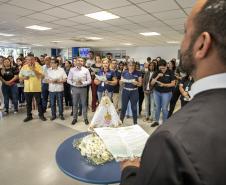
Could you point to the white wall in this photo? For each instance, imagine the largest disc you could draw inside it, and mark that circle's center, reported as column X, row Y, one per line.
column 40, row 51
column 141, row 53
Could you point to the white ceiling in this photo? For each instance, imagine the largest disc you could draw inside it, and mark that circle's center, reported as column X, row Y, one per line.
column 67, row 20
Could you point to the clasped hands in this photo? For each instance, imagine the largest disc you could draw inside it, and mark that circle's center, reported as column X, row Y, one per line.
column 126, row 163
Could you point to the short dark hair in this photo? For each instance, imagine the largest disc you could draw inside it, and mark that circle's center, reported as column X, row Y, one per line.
column 91, row 52
column 30, row 54
column 149, row 59
column 211, row 19
column 109, row 54
column 162, row 62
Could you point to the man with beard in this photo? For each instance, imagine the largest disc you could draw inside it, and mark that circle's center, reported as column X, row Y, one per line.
column 190, row 148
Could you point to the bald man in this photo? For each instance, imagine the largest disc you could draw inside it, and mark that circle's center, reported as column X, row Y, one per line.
column 190, row 148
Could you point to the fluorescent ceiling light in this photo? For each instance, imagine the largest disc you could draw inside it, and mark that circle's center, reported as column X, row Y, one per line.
column 36, row 45
column 173, row 42
column 127, row 44
column 24, row 47
column 150, row 34
column 94, row 38
column 56, row 41
column 6, row 34
column 102, row 16
column 40, row 28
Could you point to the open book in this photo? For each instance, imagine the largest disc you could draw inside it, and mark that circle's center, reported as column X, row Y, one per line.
column 27, row 73
column 124, row 142
column 101, row 78
column 128, row 81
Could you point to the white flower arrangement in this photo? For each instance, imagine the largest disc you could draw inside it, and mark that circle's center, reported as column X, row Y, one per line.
column 93, row 148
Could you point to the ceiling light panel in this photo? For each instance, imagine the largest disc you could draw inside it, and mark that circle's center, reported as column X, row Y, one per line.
column 150, row 34
column 40, row 28
column 102, row 16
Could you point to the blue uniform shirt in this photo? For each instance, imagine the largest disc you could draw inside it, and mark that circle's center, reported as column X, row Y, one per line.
column 131, row 76
column 102, row 86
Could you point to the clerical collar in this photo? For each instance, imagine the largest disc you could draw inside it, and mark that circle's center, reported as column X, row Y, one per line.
column 217, row 81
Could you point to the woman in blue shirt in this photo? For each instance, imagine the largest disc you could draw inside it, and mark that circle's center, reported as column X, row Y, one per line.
column 131, row 80
column 105, row 80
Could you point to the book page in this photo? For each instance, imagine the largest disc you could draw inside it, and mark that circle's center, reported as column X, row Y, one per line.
column 134, row 138
column 124, row 142
column 112, row 141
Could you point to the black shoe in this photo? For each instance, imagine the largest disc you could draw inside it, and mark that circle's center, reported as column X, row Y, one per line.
column 53, row 118
column 71, row 113
column 42, row 118
column 86, row 121
column 79, row 113
column 28, row 119
column 62, row 117
column 155, row 124
column 74, row 121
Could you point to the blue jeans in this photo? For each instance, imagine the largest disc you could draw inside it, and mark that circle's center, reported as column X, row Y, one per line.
column 45, row 94
column 10, row 91
column 56, row 97
column 149, row 105
column 100, row 94
column 162, row 101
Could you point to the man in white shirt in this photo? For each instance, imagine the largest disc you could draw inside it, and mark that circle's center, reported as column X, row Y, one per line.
column 56, row 77
column 79, row 78
column 190, row 147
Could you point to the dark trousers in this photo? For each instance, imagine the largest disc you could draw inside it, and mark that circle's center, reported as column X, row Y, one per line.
column 133, row 97
column 10, row 92
column 67, row 94
column 29, row 97
column 94, row 95
column 141, row 98
column 56, row 97
column 21, row 96
column 173, row 101
column 45, row 95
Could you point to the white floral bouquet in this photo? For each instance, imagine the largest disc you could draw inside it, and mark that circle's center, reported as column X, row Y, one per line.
column 94, row 149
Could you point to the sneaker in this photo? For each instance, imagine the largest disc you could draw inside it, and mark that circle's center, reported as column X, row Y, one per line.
column 74, row 121
column 155, row 124
column 42, row 118
column 28, row 119
column 86, row 121
column 52, row 118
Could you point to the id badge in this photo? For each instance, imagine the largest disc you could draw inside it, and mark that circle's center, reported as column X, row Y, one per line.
column 186, row 89
column 102, row 84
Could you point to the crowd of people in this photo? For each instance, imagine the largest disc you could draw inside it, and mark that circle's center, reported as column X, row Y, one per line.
column 36, row 82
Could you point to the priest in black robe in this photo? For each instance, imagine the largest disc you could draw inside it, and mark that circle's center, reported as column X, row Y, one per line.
column 190, row 148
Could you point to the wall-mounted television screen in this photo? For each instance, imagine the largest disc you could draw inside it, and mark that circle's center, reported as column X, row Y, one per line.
column 83, row 52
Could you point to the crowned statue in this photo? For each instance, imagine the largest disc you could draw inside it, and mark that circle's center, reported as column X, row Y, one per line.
column 105, row 115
